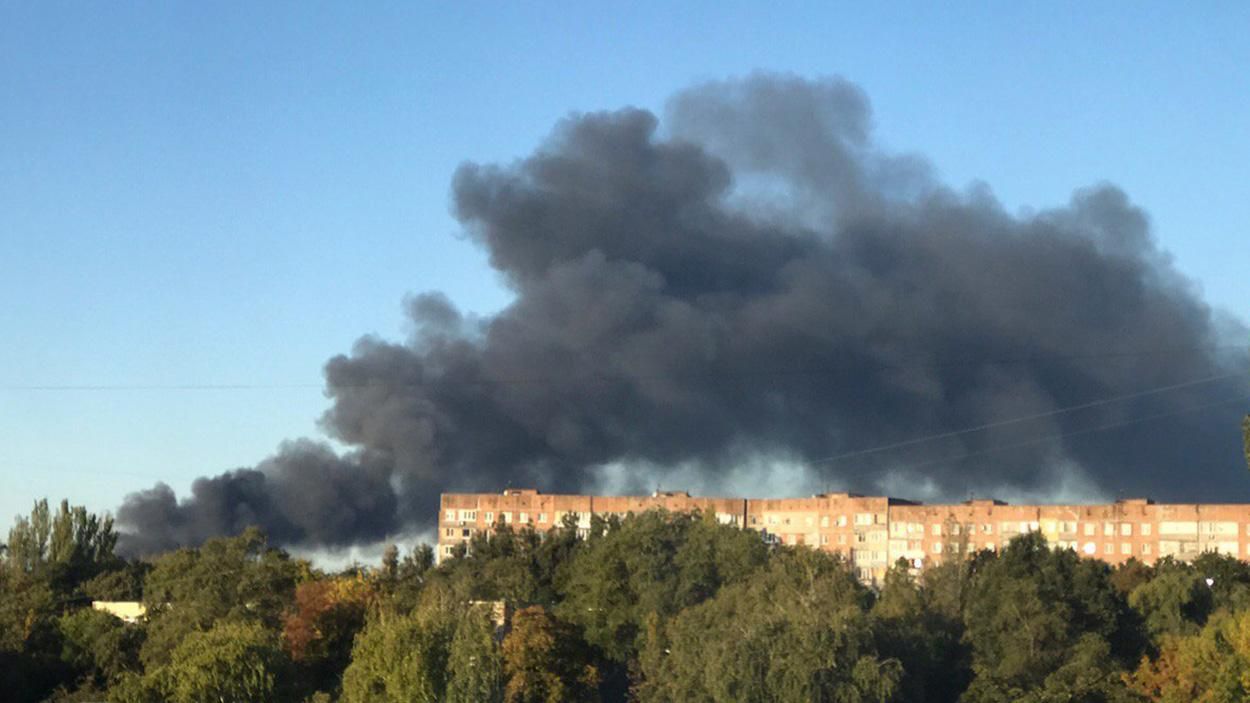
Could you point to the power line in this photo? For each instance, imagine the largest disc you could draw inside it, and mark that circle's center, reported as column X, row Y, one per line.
column 1024, row 418
column 1075, row 433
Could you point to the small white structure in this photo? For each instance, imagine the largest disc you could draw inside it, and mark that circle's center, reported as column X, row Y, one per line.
column 131, row 611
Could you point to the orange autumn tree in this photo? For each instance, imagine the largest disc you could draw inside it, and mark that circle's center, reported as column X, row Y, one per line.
column 319, row 631
column 1212, row 666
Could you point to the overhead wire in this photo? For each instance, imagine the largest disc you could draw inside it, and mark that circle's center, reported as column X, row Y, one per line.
column 1074, row 433
column 1024, row 418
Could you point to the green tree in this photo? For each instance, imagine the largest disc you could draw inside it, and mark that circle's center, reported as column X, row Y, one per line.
column 1176, row 601
column 503, row 565
column 911, row 626
column 1033, row 618
column 27, row 548
column 99, row 647
column 1089, row 674
column 399, row 659
column 655, row 562
column 233, row 661
column 123, row 583
column 65, row 548
column 411, row 576
column 136, row 688
column 30, row 663
column 1228, row 579
column 794, row 633
column 475, row 663
column 389, row 573
column 235, row 578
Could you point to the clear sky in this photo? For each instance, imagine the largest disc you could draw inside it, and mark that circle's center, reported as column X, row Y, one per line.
column 230, row 193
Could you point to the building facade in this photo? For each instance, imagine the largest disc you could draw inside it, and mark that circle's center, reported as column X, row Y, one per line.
column 873, row 532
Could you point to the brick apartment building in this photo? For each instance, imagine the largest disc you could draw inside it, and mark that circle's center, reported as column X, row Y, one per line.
column 873, row 532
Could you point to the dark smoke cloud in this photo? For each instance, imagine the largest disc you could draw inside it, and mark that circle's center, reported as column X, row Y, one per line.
column 757, row 279
column 305, row 494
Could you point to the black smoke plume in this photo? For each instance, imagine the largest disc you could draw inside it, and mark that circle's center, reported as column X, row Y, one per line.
column 753, row 282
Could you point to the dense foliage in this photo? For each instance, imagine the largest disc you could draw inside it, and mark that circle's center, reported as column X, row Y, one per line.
column 654, row 608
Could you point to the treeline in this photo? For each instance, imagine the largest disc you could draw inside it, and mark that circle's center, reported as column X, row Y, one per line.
column 655, row 608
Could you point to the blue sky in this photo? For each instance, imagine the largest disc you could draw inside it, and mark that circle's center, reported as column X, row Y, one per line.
column 203, row 194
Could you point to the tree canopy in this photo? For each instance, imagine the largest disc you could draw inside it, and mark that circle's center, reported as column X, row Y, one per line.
column 651, row 608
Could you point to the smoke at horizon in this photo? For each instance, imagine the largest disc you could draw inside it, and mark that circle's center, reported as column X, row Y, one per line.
column 752, row 283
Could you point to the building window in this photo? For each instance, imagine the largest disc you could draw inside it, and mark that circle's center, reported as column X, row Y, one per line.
column 451, row 516
column 1145, row 549
column 986, row 528
column 525, row 517
column 841, row 521
column 1089, row 529
column 1108, row 529
column 466, row 533
column 937, row 547
column 824, row 521
column 449, row 532
column 1145, row 528
column 842, row 539
column 824, row 539
column 468, row 515
column 542, row 517
column 1108, row 548
column 936, row 529
column 490, row 518
column 863, row 518
column 1126, row 548
column 1126, row 529
column 507, row 518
